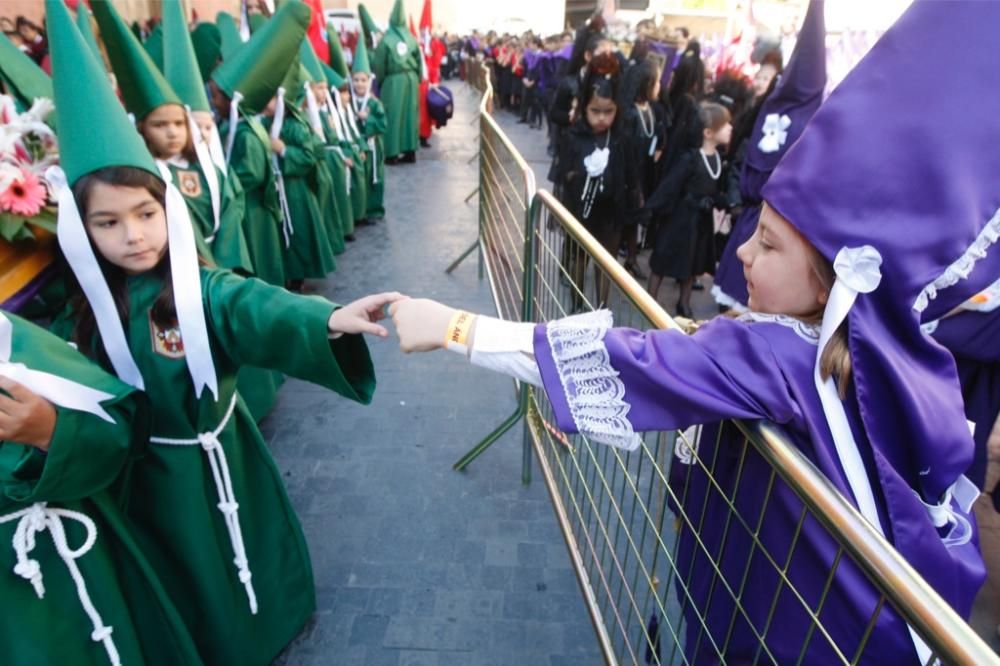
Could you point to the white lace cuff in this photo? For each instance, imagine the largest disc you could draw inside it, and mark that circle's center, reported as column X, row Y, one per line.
column 594, row 393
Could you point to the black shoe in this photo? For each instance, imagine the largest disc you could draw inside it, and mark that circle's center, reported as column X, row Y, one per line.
column 350, row 238
column 392, row 161
column 683, row 311
column 294, row 285
column 424, row 143
column 698, row 286
column 363, row 223
column 521, row 121
column 409, row 157
column 634, row 269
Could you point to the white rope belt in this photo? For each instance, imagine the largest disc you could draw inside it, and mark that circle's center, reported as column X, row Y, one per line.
column 209, row 442
column 36, row 519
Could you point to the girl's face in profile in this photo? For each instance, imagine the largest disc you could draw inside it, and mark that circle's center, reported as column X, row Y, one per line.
column 127, row 226
column 780, row 268
column 206, row 124
column 601, row 113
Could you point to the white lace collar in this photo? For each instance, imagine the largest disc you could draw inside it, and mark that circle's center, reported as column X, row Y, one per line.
column 806, row 331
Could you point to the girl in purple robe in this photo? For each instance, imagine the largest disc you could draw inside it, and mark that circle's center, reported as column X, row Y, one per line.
column 831, row 351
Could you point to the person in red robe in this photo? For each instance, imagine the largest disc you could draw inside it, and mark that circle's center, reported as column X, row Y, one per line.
column 434, row 50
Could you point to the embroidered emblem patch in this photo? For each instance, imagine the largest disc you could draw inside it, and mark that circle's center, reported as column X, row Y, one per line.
column 401, row 49
column 189, row 183
column 167, row 342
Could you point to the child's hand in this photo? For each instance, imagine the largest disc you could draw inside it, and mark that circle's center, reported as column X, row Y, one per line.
column 25, row 417
column 421, row 324
column 361, row 315
column 349, row 163
column 278, row 146
column 363, row 114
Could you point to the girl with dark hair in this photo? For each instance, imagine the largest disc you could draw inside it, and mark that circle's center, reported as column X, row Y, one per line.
column 595, row 171
column 644, row 134
column 689, row 192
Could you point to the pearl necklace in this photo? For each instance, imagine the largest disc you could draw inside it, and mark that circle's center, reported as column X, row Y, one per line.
column 718, row 169
column 642, row 121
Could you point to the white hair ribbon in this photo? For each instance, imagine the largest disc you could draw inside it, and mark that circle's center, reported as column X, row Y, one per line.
column 312, row 109
column 75, row 246
column 57, row 390
column 207, row 165
column 216, row 150
column 279, row 114
column 234, row 118
column 187, row 289
column 334, row 114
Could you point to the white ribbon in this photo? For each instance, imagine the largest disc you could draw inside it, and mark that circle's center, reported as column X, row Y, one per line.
column 234, row 118
column 597, row 162
column 775, row 129
column 228, row 506
column 312, row 110
column 334, row 114
column 858, row 271
column 277, row 123
column 186, row 277
column 57, row 390
column 201, row 148
column 34, row 520
column 75, row 246
column 217, row 152
column 964, row 492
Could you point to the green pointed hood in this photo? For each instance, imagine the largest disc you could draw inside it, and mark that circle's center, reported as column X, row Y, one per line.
column 154, row 46
column 333, row 78
column 180, row 66
column 207, row 42
column 229, row 35
column 258, row 68
column 368, row 25
column 97, row 133
column 22, row 78
column 256, row 22
column 139, row 79
column 311, row 61
column 337, row 60
column 360, row 63
column 292, row 83
column 398, row 17
column 87, row 29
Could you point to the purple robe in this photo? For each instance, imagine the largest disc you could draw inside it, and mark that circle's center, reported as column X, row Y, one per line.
column 762, row 370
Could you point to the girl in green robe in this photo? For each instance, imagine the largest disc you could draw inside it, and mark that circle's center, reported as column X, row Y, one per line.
column 371, row 117
column 358, row 148
column 338, row 162
column 396, row 64
column 168, row 137
column 208, row 495
column 65, row 458
column 309, row 253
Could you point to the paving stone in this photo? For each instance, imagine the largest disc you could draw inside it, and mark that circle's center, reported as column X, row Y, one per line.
column 416, row 564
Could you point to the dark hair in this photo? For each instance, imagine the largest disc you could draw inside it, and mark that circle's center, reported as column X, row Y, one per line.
column 689, row 76
column 603, row 80
column 744, row 123
column 639, row 82
column 187, row 152
column 733, row 91
column 164, row 313
column 684, row 32
column 587, row 39
column 713, row 116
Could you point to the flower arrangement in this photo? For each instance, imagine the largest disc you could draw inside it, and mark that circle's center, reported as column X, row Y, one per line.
column 27, row 148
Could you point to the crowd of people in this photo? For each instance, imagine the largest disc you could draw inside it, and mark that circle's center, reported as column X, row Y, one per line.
column 201, row 181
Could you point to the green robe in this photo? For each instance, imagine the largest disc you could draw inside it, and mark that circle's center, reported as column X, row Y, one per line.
column 374, row 127
column 174, row 498
column 399, row 81
column 339, row 172
column 85, row 470
column 228, row 245
column 310, row 253
column 359, row 180
column 251, row 161
column 326, row 195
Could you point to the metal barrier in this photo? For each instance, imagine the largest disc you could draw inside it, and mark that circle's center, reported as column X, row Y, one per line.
column 677, row 565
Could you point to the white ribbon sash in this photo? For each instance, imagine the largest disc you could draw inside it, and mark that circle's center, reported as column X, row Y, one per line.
column 277, row 123
column 57, row 390
column 38, row 518
column 207, row 164
column 312, row 109
column 75, row 245
column 234, row 118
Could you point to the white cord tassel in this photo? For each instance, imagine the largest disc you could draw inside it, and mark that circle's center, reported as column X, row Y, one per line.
column 234, row 117
column 33, row 521
column 279, row 178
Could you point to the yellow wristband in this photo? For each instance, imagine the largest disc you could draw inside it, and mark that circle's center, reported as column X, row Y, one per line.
column 457, row 338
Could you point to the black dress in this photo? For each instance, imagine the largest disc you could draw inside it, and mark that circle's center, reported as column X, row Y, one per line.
column 687, row 196
column 644, row 133
column 562, row 104
column 614, row 195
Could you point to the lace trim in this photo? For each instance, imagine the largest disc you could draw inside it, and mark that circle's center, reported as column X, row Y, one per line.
column 808, row 332
column 724, row 299
column 962, row 267
column 593, row 390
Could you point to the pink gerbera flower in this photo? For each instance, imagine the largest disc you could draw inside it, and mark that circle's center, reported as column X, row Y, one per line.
column 25, row 197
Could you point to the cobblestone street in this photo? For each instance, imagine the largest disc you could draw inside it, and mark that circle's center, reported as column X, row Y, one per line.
column 416, row 564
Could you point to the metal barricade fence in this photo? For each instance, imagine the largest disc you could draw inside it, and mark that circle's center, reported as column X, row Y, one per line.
column 675, row 566
column 669, row 546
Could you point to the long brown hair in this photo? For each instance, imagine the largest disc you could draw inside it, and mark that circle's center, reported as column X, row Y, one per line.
column 187, row 152
column 164, row 313
column 835, row 357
